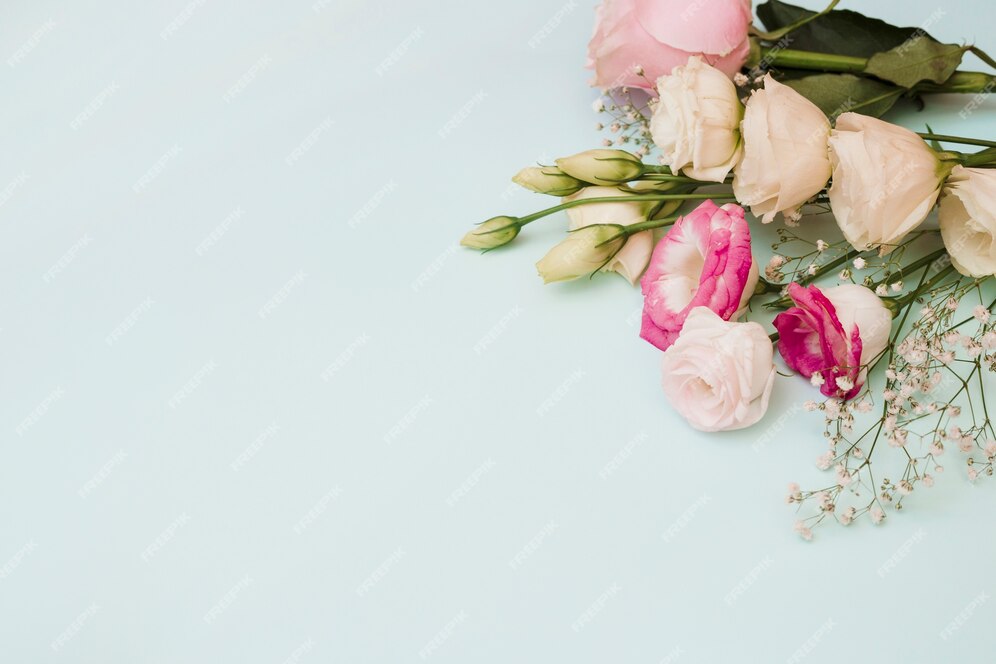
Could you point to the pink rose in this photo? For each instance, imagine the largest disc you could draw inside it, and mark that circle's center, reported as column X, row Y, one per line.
column 833, row 334
column 719, row 374
column 703, row 261
column 659, row 35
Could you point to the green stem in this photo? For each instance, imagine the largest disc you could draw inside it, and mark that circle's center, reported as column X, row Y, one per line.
column 958, row 139
column 620, row 199
column 960, row 81
column 649, row 224
column 983, row 158
column 897, row 304
column 795, row 59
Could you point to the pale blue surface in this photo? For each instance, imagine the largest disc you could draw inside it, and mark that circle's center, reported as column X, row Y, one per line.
column 284, row 544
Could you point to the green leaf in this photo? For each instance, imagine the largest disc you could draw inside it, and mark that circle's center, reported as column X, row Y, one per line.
column 920, row 59
column 840, row 93
column 842, row 31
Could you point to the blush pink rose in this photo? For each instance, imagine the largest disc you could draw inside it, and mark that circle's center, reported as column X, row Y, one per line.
column 703, row 261
column 833, row 334
column 719, row 374
column 659, row 35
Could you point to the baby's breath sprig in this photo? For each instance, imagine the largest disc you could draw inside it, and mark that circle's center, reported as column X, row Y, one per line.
column 933, row 398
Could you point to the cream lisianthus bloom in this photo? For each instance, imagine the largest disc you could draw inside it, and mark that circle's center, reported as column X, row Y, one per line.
column 696, row 121
column 886, row 180
column 584, row 251
column 632, row 258
column 968, row 220
column 786, row 160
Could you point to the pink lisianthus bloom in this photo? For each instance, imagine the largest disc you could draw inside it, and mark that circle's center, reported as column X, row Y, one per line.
column 659, row 35
column 703, row 261
column 833, row 334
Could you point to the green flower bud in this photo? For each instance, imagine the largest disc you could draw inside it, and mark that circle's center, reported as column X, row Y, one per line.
column 583, row 252
column 547, row 180
column 492, row 233
column 602, row 166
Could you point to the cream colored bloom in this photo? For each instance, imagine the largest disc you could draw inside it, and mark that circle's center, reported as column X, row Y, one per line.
column 632, row 259
column 584, row 251
column 968, row 220
column 696, row 121
column 786, row 160
column 886, row 179
column 602, row 166
column 719, row 374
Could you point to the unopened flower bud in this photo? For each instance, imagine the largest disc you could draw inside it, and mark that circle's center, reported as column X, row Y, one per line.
column 492, row 233
column 547, row 180
column 602, row 166
column 583, row 252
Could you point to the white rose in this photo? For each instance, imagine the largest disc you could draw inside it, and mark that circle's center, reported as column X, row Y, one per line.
column 786, row 160
column 968, row 220
column 719, row 374
column 632, row 259
column 696, row 121
column 886, row 179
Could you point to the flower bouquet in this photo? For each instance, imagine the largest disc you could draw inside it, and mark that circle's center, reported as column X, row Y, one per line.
column 889, row 319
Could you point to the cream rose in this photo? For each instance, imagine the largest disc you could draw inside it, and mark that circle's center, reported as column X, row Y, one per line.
column 968, row 220
column 886, row 179
column 719, row 374
column 786, row 160
column 696, row 121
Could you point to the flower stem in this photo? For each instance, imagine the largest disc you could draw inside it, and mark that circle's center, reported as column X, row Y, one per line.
column 897, row 304
column 620, row 199
column 958, row 139
column 960, row 81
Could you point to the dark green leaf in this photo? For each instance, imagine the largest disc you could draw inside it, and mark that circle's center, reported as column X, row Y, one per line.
column 920, row 59
column 842, row 31
column 840, row 93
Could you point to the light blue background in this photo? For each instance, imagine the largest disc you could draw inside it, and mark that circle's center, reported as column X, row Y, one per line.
column 329, row 498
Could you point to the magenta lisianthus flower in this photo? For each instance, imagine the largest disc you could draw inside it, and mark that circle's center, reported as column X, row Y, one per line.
column 703, row 261
column 832, row 334
column 659, row 35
